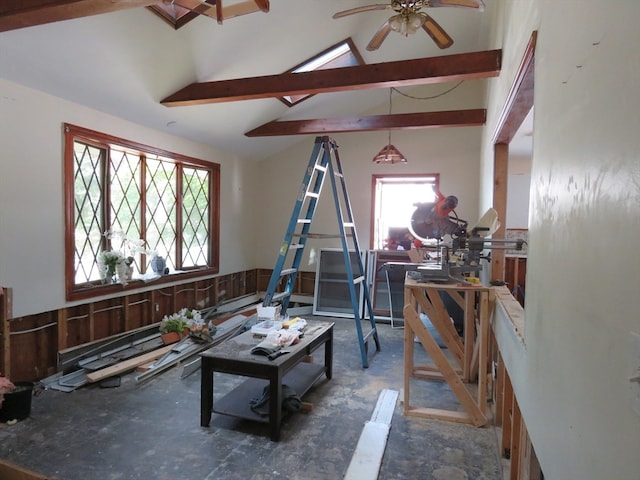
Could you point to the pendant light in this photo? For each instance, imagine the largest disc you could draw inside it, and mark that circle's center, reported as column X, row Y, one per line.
column 389, row 153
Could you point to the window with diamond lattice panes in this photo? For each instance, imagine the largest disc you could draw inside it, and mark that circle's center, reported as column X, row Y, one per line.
column 136, row 202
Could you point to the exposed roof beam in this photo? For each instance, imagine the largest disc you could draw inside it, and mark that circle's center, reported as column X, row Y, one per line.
column 396, row 121
column 27, row 13
column 447, row 68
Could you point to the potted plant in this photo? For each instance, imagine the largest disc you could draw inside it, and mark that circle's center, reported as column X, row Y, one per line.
column 172, row 327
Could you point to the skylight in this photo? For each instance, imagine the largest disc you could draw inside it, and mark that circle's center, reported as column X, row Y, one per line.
column 343, row 54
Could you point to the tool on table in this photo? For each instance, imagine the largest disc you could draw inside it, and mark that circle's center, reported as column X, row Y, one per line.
column 275, row 355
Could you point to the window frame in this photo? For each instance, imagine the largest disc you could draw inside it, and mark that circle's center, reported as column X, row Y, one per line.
column 380, row 177
column 352, row 55
column 102, row 140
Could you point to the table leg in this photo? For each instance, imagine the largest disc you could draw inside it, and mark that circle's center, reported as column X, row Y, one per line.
column 206, row 392
column 328, row 355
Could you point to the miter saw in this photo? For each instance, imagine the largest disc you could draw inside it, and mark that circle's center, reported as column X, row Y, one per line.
column 457, row 259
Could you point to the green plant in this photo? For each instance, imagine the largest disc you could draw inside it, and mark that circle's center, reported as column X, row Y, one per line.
column 173, row 323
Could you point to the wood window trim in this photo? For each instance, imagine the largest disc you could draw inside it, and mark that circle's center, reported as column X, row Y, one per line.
column 94, row 289
column 374, row 180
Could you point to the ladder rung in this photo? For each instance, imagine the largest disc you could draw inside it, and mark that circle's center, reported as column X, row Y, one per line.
column 320, row 167
column 279, row 296
column 313, row 194
column 369, row 334
column 349, row 224
column 288, row 271
column 358, row 280
column 304, row 220
column 338, row 174
column 317, row 235
column 296, row 246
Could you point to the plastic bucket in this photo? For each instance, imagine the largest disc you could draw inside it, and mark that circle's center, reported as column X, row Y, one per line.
column 17, row 404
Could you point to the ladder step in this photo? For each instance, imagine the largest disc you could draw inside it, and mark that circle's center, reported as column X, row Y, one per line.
column 317, row 235
column 304, row 220
column 349, row 224
column 320, row 168
column 296, row 246
column 313, row 194
column 280, row 296
column 358, row 280
column 365, row 338
column 288, row 271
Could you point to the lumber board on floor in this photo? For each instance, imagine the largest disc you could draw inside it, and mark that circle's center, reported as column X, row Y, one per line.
column 127, row 365
column 367, row 458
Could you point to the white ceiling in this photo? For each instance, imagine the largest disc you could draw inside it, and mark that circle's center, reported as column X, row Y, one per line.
column 124, row 63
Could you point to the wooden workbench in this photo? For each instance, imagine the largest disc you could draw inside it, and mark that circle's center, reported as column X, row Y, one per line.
column 467, row 360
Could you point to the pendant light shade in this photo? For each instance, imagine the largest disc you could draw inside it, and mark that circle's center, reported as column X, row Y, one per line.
column 389, row 153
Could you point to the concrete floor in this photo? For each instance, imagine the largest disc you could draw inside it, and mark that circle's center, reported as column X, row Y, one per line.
column 152, row 431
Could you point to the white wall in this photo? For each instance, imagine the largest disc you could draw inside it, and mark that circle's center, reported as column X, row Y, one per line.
column 32, row 200
column 570, row 376
column 454, row 153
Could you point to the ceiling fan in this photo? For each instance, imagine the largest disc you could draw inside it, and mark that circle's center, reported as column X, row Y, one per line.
column 408, row 17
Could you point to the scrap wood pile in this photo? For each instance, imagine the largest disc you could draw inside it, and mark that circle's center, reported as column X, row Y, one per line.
column 142, row 350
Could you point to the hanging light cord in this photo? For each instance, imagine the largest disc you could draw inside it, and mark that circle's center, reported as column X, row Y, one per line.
column 426, row 98
column 390, row 92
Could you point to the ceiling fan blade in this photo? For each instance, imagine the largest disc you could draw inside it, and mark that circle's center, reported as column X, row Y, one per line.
column 477, row 4
column 437, row 33
column 366, row 8
column 379, row 37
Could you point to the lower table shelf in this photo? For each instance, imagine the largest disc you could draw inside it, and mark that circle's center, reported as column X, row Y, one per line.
column 236, row 403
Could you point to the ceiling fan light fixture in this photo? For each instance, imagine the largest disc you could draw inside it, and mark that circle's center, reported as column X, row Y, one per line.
column 407, row 24
column 397, row 23
column 416, row 20
column 389, row 154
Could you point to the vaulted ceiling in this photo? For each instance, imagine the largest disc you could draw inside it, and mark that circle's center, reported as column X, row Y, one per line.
column 213, row 77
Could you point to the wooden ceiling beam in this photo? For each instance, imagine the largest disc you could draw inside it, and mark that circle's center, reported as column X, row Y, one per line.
column 447, row 68
column 28, row 13
column 397, row 121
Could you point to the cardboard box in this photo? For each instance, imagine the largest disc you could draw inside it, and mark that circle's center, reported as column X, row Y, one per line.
column 268, row 313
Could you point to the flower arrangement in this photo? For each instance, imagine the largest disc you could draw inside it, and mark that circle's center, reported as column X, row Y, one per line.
column 112, row 262
column 176, row 322
column 191, row 320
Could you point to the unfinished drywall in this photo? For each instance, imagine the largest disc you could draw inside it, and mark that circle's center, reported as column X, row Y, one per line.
column 571, row 373
column 31, row 193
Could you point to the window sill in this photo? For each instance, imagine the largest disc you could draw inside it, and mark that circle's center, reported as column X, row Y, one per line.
column 97, row 289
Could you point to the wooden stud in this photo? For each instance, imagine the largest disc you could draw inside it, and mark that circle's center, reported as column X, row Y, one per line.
column 507, row 418
column 5, row 316
column 472, row 413
column 499, row 392
column 469, row 333
column 62, row 329
column 483, row 340
column 516, row 423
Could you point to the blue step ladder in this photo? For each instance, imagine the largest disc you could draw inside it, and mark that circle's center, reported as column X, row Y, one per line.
column 324, row 161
